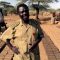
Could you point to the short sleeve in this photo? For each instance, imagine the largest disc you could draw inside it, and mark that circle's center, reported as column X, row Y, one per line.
column 7, row 34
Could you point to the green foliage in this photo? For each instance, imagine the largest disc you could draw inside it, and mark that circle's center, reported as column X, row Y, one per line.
column 58, row 9
column 7, row 7
column 40, row 1
column 43, row 1
column 11, row 10
column 51, row 10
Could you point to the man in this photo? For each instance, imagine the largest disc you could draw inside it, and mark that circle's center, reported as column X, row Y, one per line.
column 25, row 36
column 53, row 17
column 2, row 23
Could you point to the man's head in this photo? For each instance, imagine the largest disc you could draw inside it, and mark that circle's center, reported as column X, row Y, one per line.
column 23, row 12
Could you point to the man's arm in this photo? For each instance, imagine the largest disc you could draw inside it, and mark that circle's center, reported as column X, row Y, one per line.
column 6, row 37
column 13, row 48
column 35, row 43
column 39, row 36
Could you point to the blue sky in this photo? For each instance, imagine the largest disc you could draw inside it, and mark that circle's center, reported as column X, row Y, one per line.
column 54, row 5
column 13, row 2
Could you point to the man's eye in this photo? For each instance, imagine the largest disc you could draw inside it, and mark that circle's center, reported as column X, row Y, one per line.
column 22, row 11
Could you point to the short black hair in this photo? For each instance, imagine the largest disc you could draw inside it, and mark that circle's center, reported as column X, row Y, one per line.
column 22, row 5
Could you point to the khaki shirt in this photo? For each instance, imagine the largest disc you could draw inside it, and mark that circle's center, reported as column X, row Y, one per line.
column 25, row 35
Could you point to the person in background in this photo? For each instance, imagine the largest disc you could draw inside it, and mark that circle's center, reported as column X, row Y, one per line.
column 53, row 18
column 2, row 22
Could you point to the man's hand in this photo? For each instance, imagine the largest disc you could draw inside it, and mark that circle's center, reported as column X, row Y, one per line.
column 35, row 43
column 15, row 50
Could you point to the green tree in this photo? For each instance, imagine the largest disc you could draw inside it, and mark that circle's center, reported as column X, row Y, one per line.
column 48, row 1
column 43, row 1
column 8, row 8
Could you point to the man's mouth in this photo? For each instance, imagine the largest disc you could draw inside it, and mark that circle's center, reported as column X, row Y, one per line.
column 25, row 17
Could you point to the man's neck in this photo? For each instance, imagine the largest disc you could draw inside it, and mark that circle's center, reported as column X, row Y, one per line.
column 26, row 22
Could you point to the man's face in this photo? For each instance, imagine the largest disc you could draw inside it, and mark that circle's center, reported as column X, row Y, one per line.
column 24, row 14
